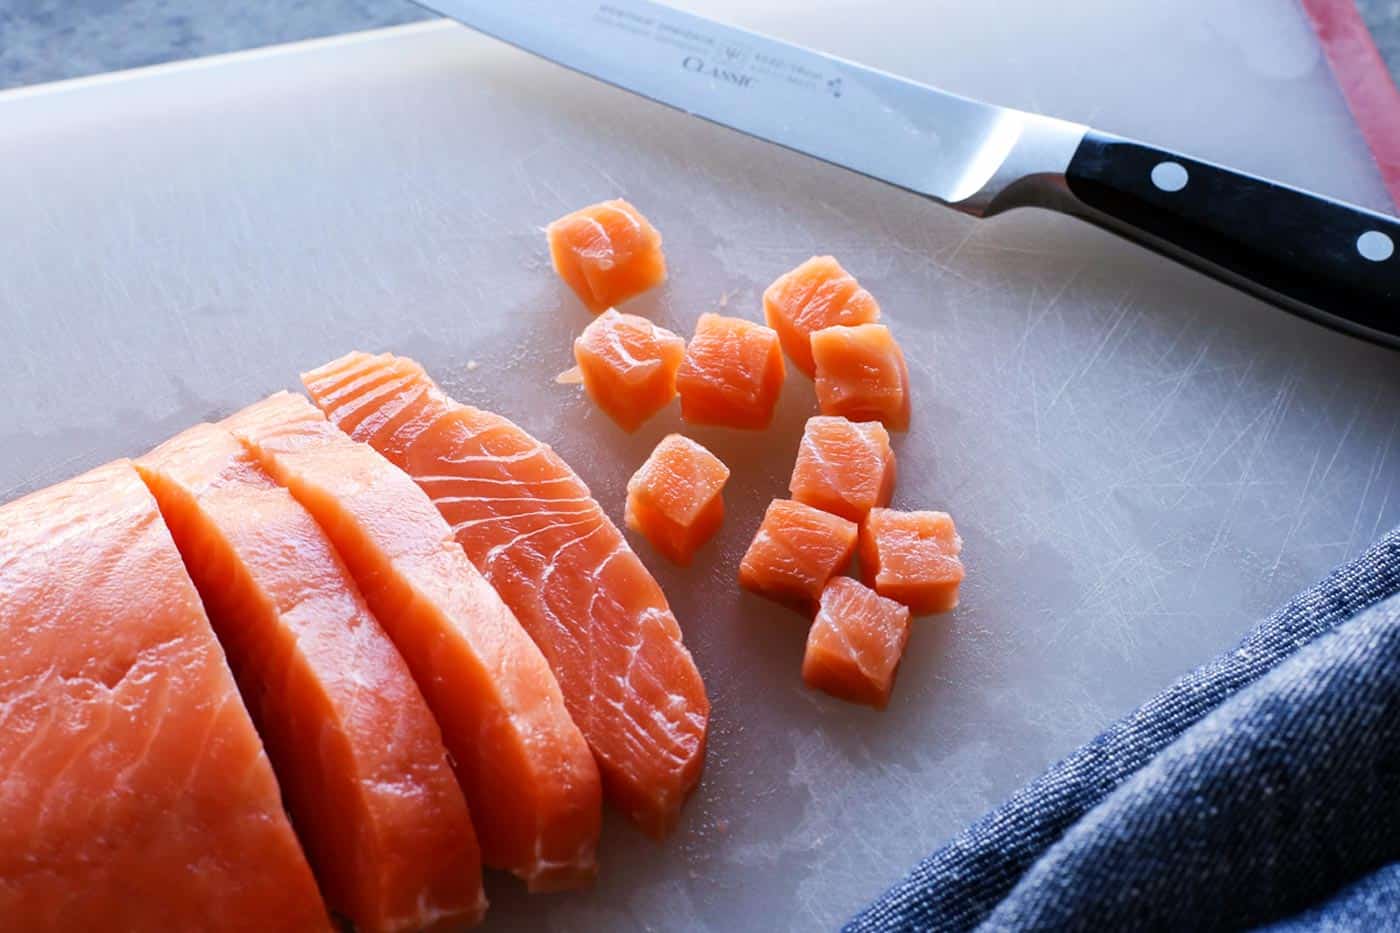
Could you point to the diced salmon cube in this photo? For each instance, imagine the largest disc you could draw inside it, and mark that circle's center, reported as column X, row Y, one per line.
column 607, row 253
column 861, row 375
column 732, row 373
column 628, row 366
column 816, row 295
column 843, row 467
column 912, row 557
column 675, row 498
column 855, row 644
column 796, row 551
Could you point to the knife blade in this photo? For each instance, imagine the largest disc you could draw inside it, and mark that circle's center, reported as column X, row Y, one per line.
column 1333, row 263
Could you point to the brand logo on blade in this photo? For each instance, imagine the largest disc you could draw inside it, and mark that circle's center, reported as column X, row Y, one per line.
column 697, row 65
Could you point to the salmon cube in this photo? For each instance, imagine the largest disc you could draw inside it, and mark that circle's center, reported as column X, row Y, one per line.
column 861, row 375
column 855, row 644
column 912, row 557
column 732, row 373
column 628, row 366
column 796, row 551
column 607, row 253
column 675, row 498
column 843, row 467
column 816, row 295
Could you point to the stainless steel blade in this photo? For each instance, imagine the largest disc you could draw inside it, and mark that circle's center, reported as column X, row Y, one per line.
column 958, row 151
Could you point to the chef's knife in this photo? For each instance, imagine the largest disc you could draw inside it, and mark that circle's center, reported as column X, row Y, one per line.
column 1334, row 263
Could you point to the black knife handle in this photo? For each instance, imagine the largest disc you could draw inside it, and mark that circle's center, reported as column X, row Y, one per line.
column 1329, row 261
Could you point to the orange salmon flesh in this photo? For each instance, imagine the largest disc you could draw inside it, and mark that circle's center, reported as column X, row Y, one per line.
column 912, row 557
column 628, row 366
column 861, row 375
column 843, row 467
column 855, row 644
column 135, row 794
column 675, row 499
column 384, row 822
column 796, row 551
column 607, row 253
column 531, row 785
column 532, row 528
column 815, row 295
column 732, row 373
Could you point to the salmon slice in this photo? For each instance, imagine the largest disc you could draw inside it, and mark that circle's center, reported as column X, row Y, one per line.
column 531, row 785
column 134, row 792
column 676, row 499
column 607, row 253
column 855, row 644
column 843, row 467
column 796, row 551
column 358, row 754
column 815, row 295
column 912, row 557
column 628, row 366
column 861, row 375
column 732, row 373
column 530, row 525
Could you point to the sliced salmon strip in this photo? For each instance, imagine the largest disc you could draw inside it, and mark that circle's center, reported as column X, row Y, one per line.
column 861, row 375
column 628, row 365
column 815, row 295
column 531, row 785
column 676, row 499
column 912, row 557
column 855, row 644
column 732, row 373
column 134, row 792
column 530, row 525
column 384, row 822
column 796, row 551
column 607, row 253
column 843, row 467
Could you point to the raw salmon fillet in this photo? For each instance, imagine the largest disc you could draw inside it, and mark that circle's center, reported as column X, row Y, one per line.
column 134, row 793
column 817, row 294
column 796, row 551
column 358, row 755
column 843, row 467
column 912, row 557
column 861, row 375
column 855, row 644
column 531, row 785
column 607, row 253
column 530, row 525
column 628, row 366
column 732, row 373
column 676, row 499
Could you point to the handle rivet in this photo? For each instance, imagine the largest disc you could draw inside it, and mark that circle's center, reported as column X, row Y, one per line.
column 1169, row 176
column 1375, row 246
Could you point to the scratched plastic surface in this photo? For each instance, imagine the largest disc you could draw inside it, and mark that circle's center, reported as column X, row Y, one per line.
column 1141, row 461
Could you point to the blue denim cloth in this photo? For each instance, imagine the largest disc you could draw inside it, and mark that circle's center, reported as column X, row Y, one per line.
column 1214, row 781
column 1368, row 906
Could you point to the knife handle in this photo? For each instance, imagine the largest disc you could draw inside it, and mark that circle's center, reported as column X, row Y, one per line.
column 1328, row 261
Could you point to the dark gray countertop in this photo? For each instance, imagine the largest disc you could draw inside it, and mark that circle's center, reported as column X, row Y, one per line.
column 1383, row 16
column 46, row 40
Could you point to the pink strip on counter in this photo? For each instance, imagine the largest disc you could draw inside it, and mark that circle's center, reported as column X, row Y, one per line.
column 1365, row 82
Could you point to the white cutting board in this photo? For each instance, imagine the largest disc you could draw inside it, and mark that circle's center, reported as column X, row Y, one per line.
column 1141, row 462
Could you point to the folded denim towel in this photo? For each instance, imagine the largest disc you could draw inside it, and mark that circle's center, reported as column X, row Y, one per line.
column 1370, row 905
column 1121, row 834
